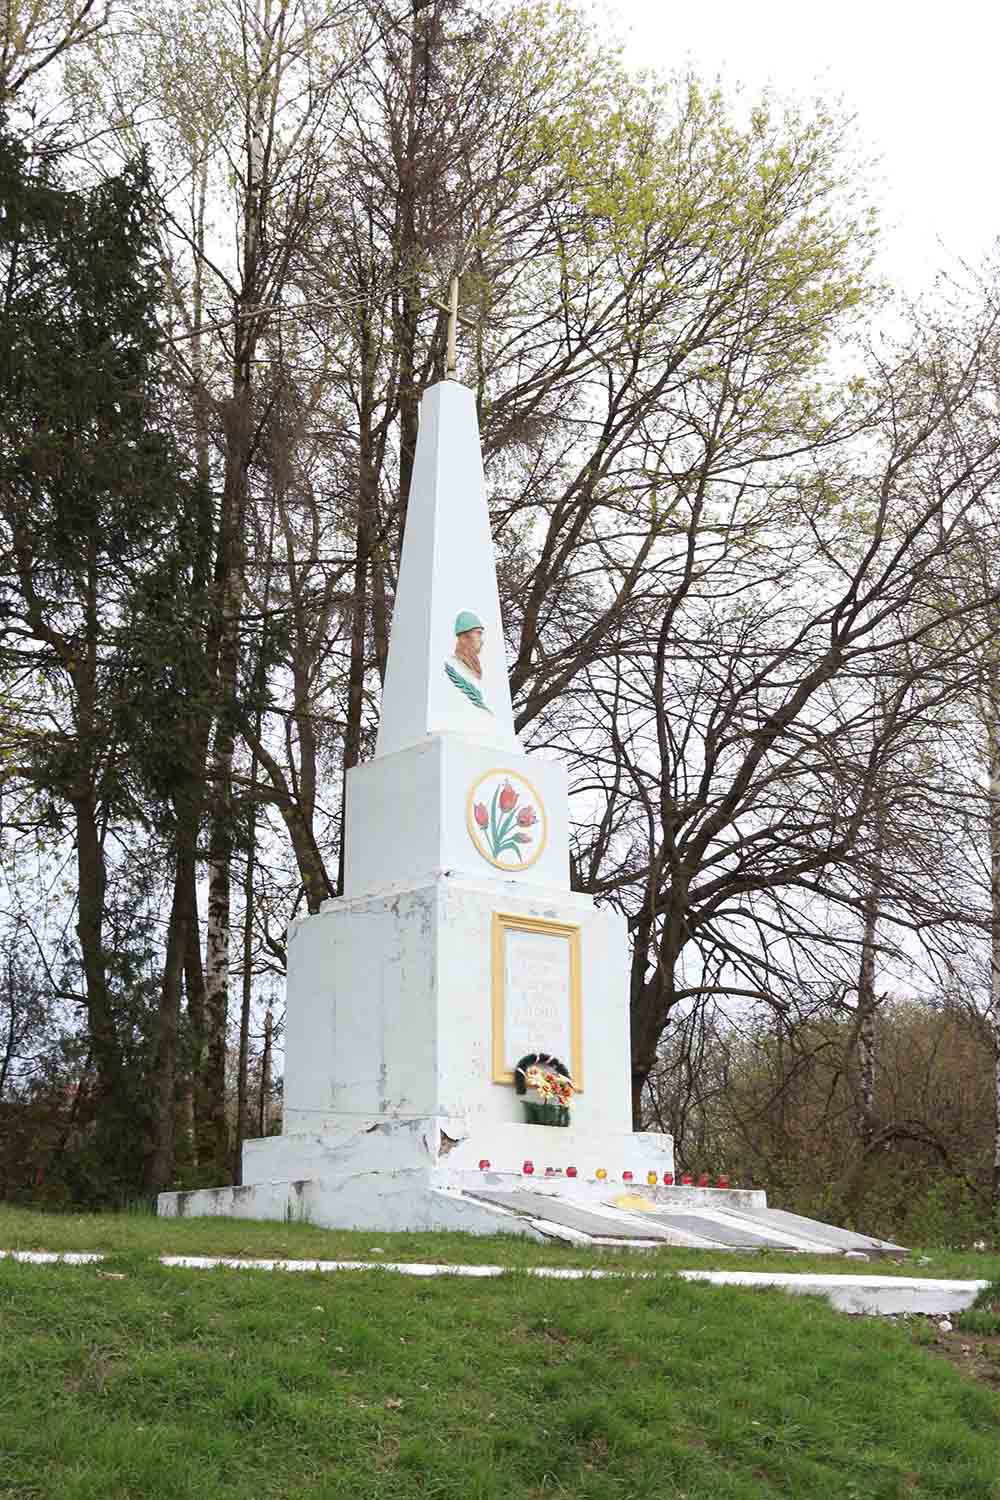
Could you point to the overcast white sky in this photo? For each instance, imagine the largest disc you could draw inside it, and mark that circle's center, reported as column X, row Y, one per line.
column 923, row 82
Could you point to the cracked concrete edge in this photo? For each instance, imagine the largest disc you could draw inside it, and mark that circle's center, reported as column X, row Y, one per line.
column 885, row 1295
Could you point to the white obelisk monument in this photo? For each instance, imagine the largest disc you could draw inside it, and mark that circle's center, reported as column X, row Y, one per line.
column 457, row 947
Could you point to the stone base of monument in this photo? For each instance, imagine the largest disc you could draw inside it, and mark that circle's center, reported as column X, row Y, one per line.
column 426, row 1174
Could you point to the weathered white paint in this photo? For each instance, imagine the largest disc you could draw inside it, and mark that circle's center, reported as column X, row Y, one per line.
column 438, row 1146
column 390, row 1016
column 885, row 1295
column 383, row 1202
column 447, row 566
column 393, row 832
column 395, row 1176
column 406, row 817
column 854, row 1294
column 857, row 1294
column 400, row 1267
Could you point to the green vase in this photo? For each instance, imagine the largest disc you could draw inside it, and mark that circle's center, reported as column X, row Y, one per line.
column 545, row 1114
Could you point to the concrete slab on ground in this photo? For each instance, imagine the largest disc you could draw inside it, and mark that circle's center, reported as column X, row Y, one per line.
column 826, row 1234
column 588, row 1220
column 723, row 1230
column 645, row 1219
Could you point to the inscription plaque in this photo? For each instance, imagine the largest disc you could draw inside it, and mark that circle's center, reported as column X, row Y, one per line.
column 536, row 993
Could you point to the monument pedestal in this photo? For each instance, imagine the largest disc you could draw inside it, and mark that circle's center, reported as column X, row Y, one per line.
column 417, row 1001
column 424, row 1173
column 407, row 1009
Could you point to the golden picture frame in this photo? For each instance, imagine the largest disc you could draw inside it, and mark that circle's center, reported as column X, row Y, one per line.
column 519, row 1018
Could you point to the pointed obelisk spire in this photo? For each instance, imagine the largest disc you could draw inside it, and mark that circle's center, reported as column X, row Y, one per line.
column 443, row 677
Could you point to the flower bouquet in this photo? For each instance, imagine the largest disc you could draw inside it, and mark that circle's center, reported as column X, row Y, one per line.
column 546, row 1089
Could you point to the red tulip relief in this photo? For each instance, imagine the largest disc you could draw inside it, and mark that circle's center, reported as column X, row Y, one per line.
column 506, row 820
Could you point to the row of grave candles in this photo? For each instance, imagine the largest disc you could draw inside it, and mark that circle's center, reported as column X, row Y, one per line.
column 666, row 1179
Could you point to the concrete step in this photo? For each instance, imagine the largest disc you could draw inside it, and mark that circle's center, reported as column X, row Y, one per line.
column 717, row 1220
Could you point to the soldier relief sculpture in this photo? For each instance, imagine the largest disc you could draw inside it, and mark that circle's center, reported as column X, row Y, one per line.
column 464, row 669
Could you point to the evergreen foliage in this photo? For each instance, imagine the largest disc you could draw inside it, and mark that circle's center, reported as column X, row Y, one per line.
column 94, row 507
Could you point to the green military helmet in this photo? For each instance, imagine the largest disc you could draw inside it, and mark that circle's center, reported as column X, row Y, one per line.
column 468, row 621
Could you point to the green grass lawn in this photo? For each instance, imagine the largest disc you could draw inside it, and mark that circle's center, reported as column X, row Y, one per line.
column 128, row 1381
column 27, row 1229
column 132, row 1382
column 984, row 1314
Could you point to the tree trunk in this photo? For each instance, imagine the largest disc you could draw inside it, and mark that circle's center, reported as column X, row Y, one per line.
column 117, row 1130
column 264, row 1114
column 92, row 884
column 194, row 990
column 355, row 683
column 649, row 1003
column 867, row 1007
column 242, row 1082
column 215, row 1131
column 637, row 989
column 359, row 595
column 408, row 255
column 229, row 592
column 993, row 742
column 8, row 1051
column 229, row 589
column 198, row 1093
column 163, row 1083
column 312, row 869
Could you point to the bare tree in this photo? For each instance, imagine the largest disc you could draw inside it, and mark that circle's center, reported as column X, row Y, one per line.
column 34, row 34
column 752, row 763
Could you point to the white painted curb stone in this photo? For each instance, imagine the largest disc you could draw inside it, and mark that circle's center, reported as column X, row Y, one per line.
column 885, row 1295
column 49, row 1258
column 857, row 1294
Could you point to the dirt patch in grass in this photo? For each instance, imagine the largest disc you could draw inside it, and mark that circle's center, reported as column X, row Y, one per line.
column 975, row 1355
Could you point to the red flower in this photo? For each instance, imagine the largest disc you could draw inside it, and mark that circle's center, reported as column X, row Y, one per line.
column 508, row 797
column 526, row 817
column 481, row 815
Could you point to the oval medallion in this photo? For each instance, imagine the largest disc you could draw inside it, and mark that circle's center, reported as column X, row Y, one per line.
column 506, row 819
